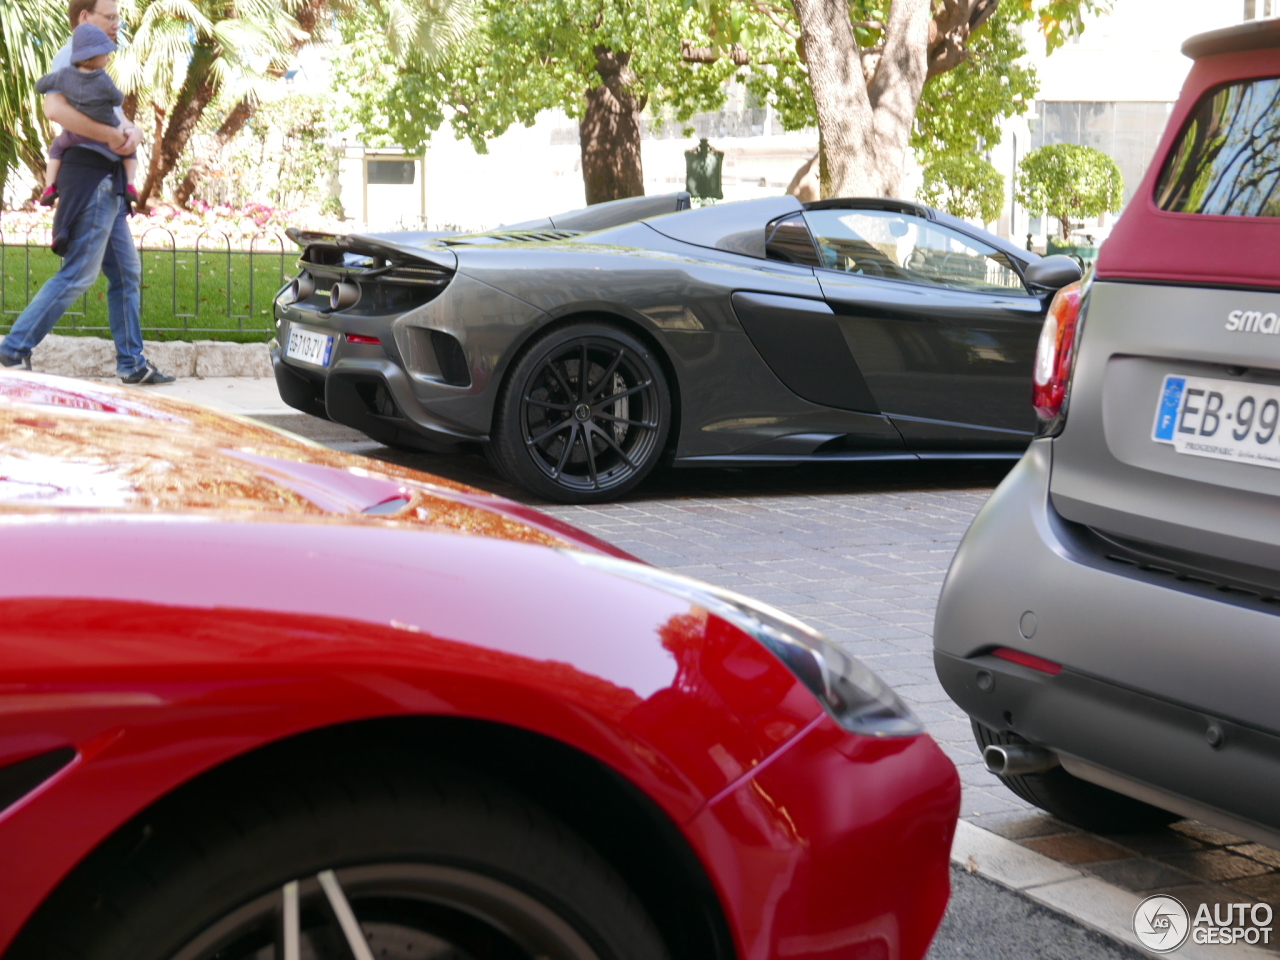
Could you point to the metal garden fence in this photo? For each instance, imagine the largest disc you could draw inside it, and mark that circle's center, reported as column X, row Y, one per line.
column 221, row 285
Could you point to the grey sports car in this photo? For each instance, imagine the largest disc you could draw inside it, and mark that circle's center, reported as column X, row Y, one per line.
column 584, row 349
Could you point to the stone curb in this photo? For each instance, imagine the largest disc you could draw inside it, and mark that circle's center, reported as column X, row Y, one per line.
column 95, row 357
column 1091, row 902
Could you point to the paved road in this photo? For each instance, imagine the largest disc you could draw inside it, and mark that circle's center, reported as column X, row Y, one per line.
column 985, row 920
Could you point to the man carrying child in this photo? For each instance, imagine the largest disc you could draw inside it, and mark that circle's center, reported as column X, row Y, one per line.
column 90, row 230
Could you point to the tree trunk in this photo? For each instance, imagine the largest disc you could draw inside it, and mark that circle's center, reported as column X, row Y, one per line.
column 610, row 132
column 866, row 99
column 896, row 86
column 153, row 157
column 197, row 91
column 229, row 130
column 840, row 96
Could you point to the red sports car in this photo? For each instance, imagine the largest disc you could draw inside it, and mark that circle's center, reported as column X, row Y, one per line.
column 259, row 699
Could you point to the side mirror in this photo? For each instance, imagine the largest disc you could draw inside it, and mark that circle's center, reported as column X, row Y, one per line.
column 1053, row 273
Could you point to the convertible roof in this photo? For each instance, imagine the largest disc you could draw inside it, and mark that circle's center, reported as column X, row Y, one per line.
column 1255, row 35
column 1148, row 243
column 602, row 216
column 735, row 227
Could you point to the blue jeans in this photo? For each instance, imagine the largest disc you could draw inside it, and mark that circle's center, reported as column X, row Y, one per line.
column 99, row 241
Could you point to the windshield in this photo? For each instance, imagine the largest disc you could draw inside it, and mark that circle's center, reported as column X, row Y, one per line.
column 1227, row 159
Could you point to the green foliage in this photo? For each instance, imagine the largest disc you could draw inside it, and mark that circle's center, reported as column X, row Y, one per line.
column 961, row 109
column 964, row 185
column 31, row 31
column 523, row 57
column 242, row 42
column 283, row 157
column 1069, row 181
column 1059, row 20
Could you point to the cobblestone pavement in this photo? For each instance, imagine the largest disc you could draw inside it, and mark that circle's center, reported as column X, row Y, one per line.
column 860, row 552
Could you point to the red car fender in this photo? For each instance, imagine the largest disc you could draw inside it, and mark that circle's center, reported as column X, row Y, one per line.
column 160, row 650
column 836, row 848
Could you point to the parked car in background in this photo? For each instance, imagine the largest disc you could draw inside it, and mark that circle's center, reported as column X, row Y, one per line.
column 751, row 333
column 259, row 699
column 1110, row 620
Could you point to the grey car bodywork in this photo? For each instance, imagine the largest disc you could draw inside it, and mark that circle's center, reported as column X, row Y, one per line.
column 768, row 361
column 1152, row 577
column 1146, row 581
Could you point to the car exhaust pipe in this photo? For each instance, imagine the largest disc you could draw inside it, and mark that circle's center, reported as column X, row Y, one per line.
column 303, row 287
column 1016, row 759
column 343, row 295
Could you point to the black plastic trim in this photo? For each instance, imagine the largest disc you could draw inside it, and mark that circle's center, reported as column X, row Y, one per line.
column 19, row 779
column 1154, row 741
column 1226, row 581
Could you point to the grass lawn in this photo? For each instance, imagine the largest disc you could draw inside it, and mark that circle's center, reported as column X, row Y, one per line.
column 225, row 296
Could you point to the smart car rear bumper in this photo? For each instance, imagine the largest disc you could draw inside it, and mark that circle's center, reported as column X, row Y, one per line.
column 1149, row 666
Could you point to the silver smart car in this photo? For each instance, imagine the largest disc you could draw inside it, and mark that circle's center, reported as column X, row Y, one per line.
column 1111, row 622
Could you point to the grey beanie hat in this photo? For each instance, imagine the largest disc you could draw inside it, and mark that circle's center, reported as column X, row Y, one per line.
column 89, row 41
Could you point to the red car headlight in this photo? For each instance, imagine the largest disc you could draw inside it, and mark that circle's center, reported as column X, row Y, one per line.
column 850, row 691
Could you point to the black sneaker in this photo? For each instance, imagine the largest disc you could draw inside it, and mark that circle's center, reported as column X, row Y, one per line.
column 22, row 362
column 147, row 376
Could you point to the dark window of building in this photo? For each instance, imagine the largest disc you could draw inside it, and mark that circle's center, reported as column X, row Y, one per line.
column 1227, row 158
column 391, row 171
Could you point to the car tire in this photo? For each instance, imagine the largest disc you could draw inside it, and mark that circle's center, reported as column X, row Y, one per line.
column 424, row 863
column 573, row 442
column 1076, row 801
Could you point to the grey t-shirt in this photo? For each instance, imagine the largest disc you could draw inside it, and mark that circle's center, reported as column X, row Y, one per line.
column 61, row 61
column 94, row 93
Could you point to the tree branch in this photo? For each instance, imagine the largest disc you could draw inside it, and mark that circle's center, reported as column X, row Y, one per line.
column 691, row 54
column 949, row 31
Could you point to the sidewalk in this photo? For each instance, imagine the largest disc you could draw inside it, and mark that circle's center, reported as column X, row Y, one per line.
column 246, row 396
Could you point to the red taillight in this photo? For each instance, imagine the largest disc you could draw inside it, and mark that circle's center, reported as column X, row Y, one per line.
column 361, row 338
column 1053, row 353
column 1027, row 660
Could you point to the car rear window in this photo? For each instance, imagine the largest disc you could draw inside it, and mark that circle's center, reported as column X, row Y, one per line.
column 1227, row 159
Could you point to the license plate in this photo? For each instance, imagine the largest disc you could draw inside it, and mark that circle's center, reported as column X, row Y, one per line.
column 309, row 347
column 1222, row 419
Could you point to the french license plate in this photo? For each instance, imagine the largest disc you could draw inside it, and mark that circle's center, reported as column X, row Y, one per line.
column 309, row 347
column 1222, row 419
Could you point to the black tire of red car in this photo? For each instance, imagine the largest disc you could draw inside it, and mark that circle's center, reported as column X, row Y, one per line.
column 575, row 439
column 424, row 864
column 1076, row 801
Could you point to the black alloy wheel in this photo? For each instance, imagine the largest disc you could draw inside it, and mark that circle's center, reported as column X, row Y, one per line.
column 584, row 416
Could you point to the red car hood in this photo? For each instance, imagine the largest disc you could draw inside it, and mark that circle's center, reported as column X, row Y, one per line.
column 72, row 446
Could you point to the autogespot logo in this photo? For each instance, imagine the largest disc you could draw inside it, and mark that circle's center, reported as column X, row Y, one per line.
column 1161, row 924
